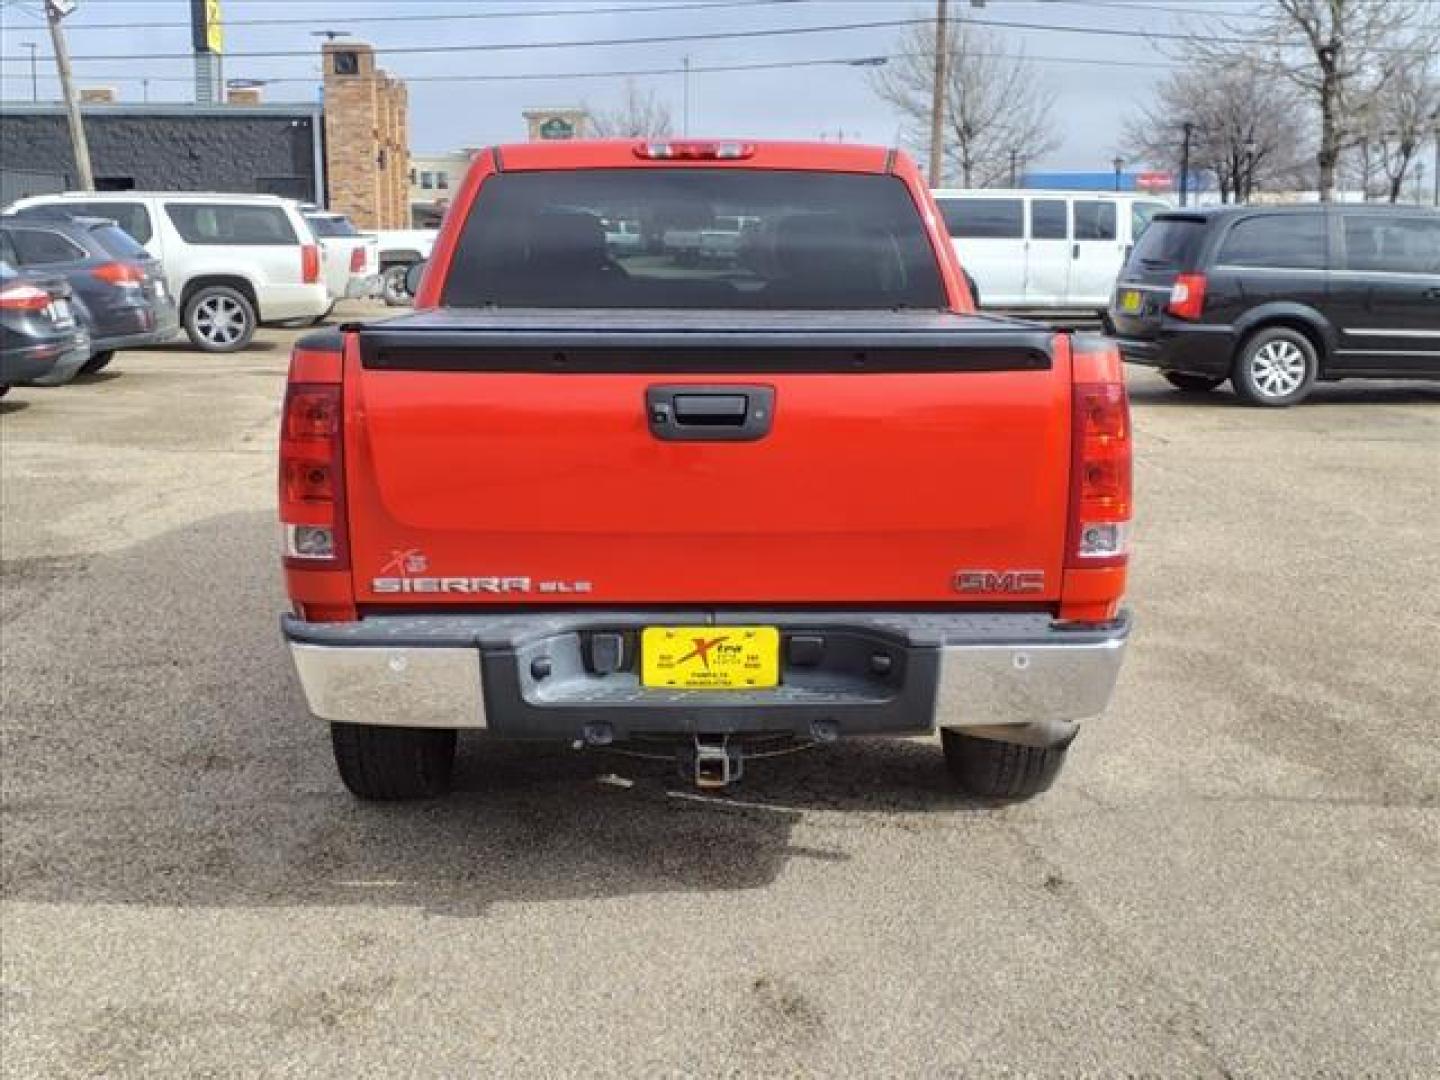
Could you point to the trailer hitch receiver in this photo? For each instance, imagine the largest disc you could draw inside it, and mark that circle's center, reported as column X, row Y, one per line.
column 718, row 762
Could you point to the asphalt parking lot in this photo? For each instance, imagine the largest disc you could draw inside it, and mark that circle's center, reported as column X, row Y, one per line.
column 1238, row 874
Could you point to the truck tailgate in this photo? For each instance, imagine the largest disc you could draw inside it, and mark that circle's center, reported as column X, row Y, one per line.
column 504, row 457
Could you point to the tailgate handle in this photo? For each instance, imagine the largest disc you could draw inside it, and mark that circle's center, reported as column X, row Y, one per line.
column 690, row 413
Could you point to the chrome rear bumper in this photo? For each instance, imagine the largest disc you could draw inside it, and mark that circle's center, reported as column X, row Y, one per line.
column 1010, row 676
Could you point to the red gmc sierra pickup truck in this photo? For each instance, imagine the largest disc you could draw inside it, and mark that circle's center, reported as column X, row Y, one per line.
column 605, row 487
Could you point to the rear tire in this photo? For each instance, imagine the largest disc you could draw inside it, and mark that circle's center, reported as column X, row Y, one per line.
column 98, row 362
column 1276, row 368
column 392, row 287
column 1000, row 770
column 391, row 763
column 219, row 319
column 1193, row 384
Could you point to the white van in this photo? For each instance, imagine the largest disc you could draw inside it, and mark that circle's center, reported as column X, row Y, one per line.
column 1045, row 250
column 231, row 261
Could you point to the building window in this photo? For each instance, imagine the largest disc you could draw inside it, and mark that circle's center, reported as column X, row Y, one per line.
column 442, row 180
column 347, row 63
column 427, row 180
column 412, row 177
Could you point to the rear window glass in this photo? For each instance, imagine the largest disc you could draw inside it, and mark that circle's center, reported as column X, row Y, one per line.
column 331, row 226
column 1291, row 241
column 220, row 223
column 1141, row 214
column 1397, row 245
column 1168, row 244
column 117, row 242
column 43, row 247
column 984, row 219
column 694, row 238
column 132, row 217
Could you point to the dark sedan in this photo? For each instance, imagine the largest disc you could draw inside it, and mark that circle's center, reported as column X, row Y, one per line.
column 39, row 330
column 118, row 287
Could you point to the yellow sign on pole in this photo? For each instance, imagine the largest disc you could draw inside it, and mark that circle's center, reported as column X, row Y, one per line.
column 214, row 34
column 206, row 34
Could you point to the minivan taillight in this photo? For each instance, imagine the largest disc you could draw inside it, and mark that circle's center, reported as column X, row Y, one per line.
column 312, row 478
column 357, row 260
column 309, row 264
column 1187, row 296
column 1100, row 487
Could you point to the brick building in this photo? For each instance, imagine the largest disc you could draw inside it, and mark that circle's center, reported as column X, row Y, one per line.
column 367, row 137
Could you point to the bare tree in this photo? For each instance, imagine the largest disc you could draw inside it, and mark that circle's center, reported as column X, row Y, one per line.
column 1403, row 118
column 1340, row 53
column 640, row 115
column 998, row 107
column 1242, row 118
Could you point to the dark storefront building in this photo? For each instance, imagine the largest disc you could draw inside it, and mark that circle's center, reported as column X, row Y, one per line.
column 275, row 149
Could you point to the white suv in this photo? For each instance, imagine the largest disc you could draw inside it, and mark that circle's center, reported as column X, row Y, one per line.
column 232, row 261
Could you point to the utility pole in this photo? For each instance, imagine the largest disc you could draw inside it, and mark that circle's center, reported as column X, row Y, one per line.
column 56, row 10
column 937, row 100
column 34, row 70
column 1014, row 166
column 1185, row 164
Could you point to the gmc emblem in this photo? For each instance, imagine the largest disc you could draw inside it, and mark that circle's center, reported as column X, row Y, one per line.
column 1000, row 581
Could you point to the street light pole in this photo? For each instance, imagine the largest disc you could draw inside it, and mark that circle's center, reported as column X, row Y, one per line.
column 1436, row 119
column 1185, row 164
column 34, row 70
column 55, row 10
column 685, row 97
column 937, row 99
column 1119, row 167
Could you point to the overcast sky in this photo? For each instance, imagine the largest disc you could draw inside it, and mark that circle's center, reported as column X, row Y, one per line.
column 1093, row 98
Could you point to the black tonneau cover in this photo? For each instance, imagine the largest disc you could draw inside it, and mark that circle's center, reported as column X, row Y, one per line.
column 576, row 340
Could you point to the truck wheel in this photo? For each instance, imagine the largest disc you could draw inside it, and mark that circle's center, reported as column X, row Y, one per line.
column 392, row 286
column 1193, row 383
column 394, row 762
column 97, row 362
column 219, row 319
column 1276, row 367
column 1000, row 770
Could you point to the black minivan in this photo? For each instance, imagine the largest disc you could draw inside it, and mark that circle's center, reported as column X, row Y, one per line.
column 1275, row 297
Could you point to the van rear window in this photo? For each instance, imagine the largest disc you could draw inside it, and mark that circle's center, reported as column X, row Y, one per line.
column 1168, row 244
column 694, row 238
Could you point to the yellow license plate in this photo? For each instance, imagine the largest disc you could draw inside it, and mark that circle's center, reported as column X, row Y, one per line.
column 710, row 657
column 1131, row 301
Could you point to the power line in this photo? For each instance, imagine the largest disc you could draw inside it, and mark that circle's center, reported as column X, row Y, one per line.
column 459, row 16
column 721, row 35
column 773, row 65
column 652, row 39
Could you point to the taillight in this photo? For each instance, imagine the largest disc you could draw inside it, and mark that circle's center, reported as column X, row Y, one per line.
column 118, row 273
column 312, row 474
column 309, row 264
column 1101, row 502
column 24, row 298
column 1187, row 296
column 690, row 150
column 357, row 260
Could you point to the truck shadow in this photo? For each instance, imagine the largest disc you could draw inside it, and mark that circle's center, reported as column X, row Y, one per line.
column 158, row 752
